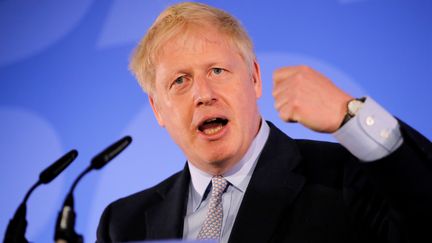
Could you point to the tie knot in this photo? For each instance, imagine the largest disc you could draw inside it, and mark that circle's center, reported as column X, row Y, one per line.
column 219, row 183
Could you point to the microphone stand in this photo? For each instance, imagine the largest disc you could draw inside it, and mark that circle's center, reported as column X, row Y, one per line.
column 65, row 225
column 15, row 232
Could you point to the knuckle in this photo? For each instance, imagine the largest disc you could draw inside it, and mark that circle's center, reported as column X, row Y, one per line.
column 298, row 77
column 281, row 73
column 277, row 73
column 295, row 105
column 304, row 68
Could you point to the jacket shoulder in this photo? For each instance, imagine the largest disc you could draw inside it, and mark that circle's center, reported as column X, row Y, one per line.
column 147, row 197
column 124, row 219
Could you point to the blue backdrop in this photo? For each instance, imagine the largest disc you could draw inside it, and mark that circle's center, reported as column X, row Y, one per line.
column 64, row 84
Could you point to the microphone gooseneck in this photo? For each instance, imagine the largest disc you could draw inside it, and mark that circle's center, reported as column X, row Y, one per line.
column 65, row 225
column 15, row 231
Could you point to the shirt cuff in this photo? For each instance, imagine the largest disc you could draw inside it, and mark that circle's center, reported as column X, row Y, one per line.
column 371, row 134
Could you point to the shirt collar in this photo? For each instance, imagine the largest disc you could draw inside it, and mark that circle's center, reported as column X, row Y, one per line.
column 238, row 176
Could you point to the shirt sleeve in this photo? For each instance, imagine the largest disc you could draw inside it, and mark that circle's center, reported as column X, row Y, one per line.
column 371, row 134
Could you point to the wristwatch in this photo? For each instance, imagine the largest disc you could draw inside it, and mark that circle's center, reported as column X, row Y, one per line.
column 353, row 106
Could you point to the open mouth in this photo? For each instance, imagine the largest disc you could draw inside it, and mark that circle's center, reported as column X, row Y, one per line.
column 212, row 126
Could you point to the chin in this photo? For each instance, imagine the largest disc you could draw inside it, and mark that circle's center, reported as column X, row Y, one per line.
column 220, row 160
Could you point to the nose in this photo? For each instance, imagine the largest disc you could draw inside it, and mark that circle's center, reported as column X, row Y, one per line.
column 203, row 92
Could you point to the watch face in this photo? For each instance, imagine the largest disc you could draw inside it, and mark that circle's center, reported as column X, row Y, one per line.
column 354, row 106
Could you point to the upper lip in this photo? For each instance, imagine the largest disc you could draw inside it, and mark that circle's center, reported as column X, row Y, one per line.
column 209, row 117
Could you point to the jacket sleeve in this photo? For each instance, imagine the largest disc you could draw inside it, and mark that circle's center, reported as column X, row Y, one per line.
column 405, row 179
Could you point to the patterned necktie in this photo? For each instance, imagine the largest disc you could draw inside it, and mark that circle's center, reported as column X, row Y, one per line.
column 211, row 228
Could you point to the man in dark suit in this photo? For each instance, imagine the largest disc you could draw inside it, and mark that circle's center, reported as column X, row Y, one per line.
column 245, row 180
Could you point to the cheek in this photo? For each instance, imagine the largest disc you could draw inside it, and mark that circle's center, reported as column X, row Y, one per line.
column 178, row 116
column 247, row 103
column 247, row 94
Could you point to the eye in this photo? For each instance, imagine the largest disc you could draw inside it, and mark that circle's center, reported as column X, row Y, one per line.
column 217, row 71
column 178, row 81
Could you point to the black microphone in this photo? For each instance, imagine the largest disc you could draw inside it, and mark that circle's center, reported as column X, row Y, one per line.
column 15, row 231
column 65, row 225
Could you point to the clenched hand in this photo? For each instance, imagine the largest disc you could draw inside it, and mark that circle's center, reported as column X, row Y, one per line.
column 306, row 96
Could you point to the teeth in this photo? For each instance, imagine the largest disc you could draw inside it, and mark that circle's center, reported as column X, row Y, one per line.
column 211, row 120
column 210, row 131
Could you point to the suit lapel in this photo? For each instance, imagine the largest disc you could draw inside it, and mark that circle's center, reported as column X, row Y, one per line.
column 166, row 219
column 272, row 189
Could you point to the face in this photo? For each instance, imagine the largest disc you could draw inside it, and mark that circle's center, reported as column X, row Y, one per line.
column 206, row 97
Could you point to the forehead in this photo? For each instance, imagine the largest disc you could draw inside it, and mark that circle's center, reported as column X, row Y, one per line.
column 196, row 40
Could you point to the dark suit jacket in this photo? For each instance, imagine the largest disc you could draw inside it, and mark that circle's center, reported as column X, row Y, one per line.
column 300, row 191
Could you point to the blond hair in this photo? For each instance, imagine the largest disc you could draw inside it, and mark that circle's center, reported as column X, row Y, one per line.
column 170, row 23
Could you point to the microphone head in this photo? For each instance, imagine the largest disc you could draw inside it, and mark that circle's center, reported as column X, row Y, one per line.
column 55, row 169
column 109, row 153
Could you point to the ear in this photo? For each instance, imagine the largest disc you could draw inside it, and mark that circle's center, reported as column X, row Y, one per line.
column 256, row 77
column 156, row 111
